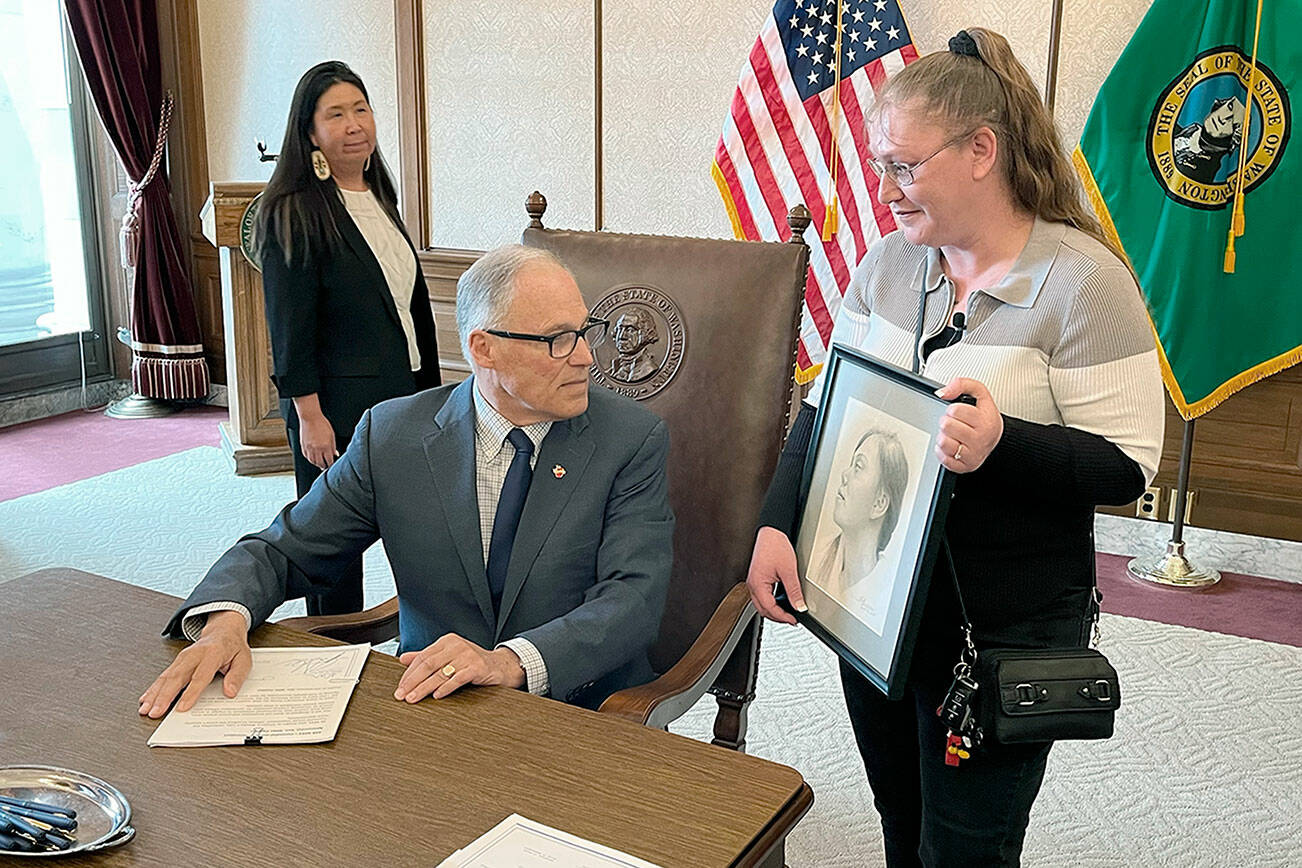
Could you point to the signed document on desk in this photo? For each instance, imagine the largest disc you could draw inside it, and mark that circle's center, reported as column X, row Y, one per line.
column 518, row 842
column 292, row 696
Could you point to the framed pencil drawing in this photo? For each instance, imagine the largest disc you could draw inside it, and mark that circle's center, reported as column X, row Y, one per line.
column 874, row 498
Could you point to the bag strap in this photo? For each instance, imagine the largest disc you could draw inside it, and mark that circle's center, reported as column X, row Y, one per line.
column 1096, row 598
column 968, row 655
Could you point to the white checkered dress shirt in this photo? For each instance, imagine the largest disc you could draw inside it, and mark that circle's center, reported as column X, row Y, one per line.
column 493, row 456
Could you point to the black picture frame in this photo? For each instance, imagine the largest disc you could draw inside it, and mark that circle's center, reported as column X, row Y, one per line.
column 871, row 619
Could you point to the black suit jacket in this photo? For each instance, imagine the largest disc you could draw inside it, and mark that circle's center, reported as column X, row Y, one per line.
column 335, row 329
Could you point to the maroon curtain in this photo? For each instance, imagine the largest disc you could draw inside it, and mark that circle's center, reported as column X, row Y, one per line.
column 117, row 42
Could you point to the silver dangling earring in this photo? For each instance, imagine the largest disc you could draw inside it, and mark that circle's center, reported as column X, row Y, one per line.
column 320, row 166
column 367, row 166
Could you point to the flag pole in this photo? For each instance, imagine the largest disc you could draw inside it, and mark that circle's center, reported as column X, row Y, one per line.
column 1173, row 569
column 1055, row 40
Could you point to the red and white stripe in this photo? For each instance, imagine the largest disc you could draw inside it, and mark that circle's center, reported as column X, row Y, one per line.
column 775, row 153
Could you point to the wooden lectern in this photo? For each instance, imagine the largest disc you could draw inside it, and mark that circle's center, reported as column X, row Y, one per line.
column 255, row 434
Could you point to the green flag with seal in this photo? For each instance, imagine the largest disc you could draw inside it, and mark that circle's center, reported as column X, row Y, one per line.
column 1162, row 157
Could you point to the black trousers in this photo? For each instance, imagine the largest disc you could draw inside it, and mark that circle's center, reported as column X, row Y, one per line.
column 933, row 814
column 346, row 596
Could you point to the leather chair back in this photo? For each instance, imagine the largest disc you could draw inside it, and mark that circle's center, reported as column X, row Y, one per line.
column 724, row 316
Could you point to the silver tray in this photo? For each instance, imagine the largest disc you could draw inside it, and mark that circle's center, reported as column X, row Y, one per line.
column 103, row 813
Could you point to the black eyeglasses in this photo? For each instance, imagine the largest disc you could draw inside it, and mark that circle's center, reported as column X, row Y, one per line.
column 562, row 344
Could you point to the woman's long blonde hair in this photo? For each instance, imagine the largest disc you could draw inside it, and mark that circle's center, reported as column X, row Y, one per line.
column 959, row 92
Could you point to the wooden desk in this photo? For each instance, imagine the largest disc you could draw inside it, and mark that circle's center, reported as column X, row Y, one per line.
column 400, row 785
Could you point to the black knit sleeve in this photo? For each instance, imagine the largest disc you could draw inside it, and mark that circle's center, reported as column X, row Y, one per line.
column 1057, row 463
column 782, row 501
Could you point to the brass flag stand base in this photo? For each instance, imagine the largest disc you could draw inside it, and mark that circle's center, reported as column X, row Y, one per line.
column 137, row 406
column 1172, row 569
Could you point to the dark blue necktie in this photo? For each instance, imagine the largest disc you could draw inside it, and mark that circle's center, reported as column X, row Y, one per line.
column 507, row 519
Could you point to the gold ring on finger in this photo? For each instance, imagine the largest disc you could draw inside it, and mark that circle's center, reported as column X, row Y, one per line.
column 958, row 453
column 449, row 670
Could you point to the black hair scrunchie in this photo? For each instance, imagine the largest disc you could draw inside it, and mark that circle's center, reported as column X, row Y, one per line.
column 962, row 43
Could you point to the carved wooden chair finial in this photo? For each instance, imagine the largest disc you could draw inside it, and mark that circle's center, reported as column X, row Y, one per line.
column 798, row 219
column 535, row 206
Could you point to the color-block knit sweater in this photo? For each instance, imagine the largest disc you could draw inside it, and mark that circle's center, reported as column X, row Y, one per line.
column 1064, row 345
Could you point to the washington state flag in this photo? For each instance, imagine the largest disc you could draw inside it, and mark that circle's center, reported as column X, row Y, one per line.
column 1172, row 136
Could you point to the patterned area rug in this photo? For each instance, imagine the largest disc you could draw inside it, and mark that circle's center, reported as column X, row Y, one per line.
column 1203, row 770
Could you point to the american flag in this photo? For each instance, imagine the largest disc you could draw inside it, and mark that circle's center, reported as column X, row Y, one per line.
column 776, row 146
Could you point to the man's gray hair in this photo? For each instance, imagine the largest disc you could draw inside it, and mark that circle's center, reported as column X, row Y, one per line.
column 485, row 290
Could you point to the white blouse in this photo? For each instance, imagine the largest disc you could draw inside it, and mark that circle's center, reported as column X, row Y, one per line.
column 397, row 262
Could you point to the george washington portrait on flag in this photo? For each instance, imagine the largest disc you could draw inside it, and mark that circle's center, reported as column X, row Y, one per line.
column 795, row 134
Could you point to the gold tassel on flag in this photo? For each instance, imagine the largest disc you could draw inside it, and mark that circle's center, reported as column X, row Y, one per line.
column 831, row 219
column 1237, row 219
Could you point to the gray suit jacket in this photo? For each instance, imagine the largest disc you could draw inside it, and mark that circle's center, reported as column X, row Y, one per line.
column 589, row 569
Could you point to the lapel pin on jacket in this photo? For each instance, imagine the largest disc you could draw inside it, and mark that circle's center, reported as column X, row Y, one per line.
column 558, row 471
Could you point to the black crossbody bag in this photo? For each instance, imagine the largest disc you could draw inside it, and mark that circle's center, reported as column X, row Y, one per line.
column 1019, row 695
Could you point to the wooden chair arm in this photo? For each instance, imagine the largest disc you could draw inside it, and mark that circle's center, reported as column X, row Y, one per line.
column 668, row 697
column 375, row 625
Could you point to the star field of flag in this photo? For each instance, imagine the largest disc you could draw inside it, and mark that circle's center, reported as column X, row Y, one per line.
column 795, row 135
column 871, row 28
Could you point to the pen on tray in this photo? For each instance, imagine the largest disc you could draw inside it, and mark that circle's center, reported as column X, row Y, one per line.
column 56, row 821
column 16, row 844
column 57, row 841
column 10, row 801
column 14, row 824
column 13, row 828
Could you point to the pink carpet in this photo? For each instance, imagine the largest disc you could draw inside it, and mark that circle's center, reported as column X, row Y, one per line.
column 1239, row 605
column 38, row 455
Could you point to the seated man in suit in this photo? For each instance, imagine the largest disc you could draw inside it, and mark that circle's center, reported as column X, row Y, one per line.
column 524, row 513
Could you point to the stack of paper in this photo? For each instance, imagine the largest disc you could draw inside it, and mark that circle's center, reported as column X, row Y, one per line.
column 517, row 842
column 292, row 696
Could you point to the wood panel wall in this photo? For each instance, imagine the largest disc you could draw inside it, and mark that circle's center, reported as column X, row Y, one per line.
column 442, row 267
column 1246, row 468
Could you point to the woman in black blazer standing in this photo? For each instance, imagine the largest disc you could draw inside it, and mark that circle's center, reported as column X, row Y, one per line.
column 347, row 307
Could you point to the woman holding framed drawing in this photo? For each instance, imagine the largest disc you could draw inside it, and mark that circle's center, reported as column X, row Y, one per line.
column 1000, row 284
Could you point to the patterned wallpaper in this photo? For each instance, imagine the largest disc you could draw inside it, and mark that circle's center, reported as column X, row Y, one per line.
column 511, row 103
column 254, row 52
column 670, row 72
column 510, row 107
column 1093, row 38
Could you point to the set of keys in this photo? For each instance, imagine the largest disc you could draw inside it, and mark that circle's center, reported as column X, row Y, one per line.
column 956, row 711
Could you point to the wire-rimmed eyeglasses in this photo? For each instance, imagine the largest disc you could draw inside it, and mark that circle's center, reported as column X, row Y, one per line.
column 561, row 344
column 902, row 173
